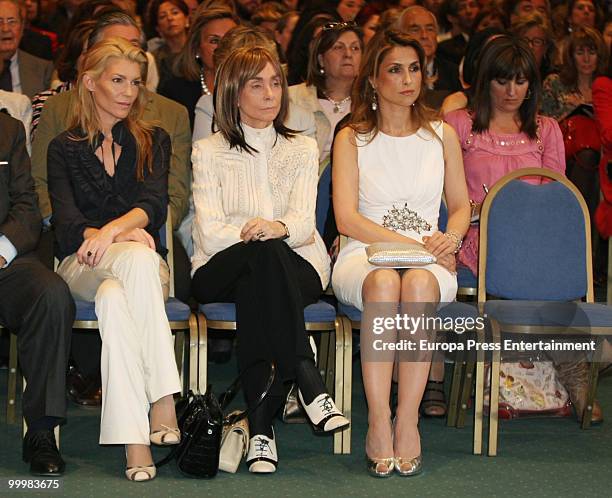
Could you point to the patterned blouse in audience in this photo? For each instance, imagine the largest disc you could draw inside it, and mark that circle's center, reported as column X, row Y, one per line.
column 39, row 100
column 558, row 100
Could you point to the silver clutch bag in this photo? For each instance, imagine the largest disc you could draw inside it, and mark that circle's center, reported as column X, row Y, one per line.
column 398, row 255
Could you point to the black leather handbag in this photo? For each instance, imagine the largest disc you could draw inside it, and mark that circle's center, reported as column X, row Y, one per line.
column 200, row 420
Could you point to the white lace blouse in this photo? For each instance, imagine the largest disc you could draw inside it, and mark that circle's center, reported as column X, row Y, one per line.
column 279, row 182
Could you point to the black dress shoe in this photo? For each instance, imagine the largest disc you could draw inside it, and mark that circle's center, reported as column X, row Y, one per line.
column 40, row 450
column 82, row 390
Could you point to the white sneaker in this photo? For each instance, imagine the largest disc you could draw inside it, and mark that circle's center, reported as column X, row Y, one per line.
column 324, row 414
column 262, row 457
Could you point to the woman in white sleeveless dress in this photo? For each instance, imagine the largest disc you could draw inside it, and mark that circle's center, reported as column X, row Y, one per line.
column 391, row 165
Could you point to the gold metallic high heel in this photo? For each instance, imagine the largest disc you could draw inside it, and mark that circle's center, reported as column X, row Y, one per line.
column 407, row 467
column 380, row 467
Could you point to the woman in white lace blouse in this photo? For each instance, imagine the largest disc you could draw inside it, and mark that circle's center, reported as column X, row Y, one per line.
column 255, row 241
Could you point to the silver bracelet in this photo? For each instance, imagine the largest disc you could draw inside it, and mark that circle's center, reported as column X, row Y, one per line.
column 455, row 239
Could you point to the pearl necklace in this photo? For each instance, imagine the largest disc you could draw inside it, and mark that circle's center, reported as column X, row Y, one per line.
column 338, row 103
column 205, row 90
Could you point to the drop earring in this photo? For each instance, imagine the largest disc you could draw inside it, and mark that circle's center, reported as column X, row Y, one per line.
column 374, row 104
column 321, row 70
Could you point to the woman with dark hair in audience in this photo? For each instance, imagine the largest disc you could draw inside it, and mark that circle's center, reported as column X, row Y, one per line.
column 194, row 70
column 368, row 19
column 170, row 20
column 108, row 183
column 583, row 13
column 256, row 244
column 67, row 68
column 333, row 64
column 567, row 97
column 313, row 16
column 535, row 29
column 585, row 57
column 391, row 166
column 501, row 127
column 467, row 70
column 500, row 132
column 283, row 33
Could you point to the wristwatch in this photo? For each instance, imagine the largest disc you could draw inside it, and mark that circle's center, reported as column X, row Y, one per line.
column 287, row 234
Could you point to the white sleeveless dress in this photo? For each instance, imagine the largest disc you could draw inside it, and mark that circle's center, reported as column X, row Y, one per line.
column 396, row 175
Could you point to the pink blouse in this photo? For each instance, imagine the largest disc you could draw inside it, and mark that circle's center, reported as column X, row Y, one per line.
column 487, row 157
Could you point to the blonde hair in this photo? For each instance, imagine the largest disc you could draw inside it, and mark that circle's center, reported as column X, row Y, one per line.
column 84, row 113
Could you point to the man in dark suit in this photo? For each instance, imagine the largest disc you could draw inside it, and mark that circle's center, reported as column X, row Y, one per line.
column 35, row 304
column 442, row 76
column 21, row 72
column 461, row 15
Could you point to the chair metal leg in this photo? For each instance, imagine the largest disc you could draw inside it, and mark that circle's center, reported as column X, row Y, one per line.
column 325, row 360
column 494, row 395
column 11, row 400
column 339, row 381
column 193, row 352
column 344, row 364
column 348, row 383
column 592, row 392
column 202, row 353
column 479, row 401
column 466, row 392
column 453, row 397
column 179, row 356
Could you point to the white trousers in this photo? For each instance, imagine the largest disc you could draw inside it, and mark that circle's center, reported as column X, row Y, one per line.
column 137, row 363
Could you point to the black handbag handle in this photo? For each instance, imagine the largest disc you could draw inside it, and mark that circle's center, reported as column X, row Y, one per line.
column 226, row 398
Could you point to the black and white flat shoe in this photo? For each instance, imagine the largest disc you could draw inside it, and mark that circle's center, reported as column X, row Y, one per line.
column 323, row 413
column 262, row 457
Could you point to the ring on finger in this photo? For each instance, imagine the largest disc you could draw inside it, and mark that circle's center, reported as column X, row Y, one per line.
column 89, row 253
column 260, row 234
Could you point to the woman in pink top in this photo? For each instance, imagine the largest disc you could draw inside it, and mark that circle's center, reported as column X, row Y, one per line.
column 501, row 130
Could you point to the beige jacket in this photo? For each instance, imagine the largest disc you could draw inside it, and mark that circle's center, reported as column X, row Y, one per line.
column 305, row 96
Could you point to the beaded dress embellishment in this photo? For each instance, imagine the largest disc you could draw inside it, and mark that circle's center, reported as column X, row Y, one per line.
column 404, row 219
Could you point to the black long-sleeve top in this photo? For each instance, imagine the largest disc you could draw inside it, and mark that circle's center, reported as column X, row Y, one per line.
column 83, row 195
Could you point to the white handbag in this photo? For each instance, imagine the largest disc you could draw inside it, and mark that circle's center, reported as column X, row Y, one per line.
column 234, row 444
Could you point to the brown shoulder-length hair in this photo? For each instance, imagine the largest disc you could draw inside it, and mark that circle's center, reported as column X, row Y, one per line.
column 187, row 65
column 84, row 113
column 232, row 75
column 506, row 57
column 364, row 120
column 325, row 40
column 582, row 37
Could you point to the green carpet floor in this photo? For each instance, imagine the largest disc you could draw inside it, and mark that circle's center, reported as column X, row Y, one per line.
column 537, row 457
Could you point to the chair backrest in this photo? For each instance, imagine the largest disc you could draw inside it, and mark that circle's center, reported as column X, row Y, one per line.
column 535, row 240
column 443, row 217
column 323, row 199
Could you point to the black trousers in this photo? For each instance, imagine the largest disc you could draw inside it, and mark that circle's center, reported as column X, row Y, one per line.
column 37, row 306
column 271, row 285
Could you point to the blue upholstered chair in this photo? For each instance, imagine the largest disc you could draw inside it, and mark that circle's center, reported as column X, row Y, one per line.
column 535, row 258
column 335, row 353
column 179, row 315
